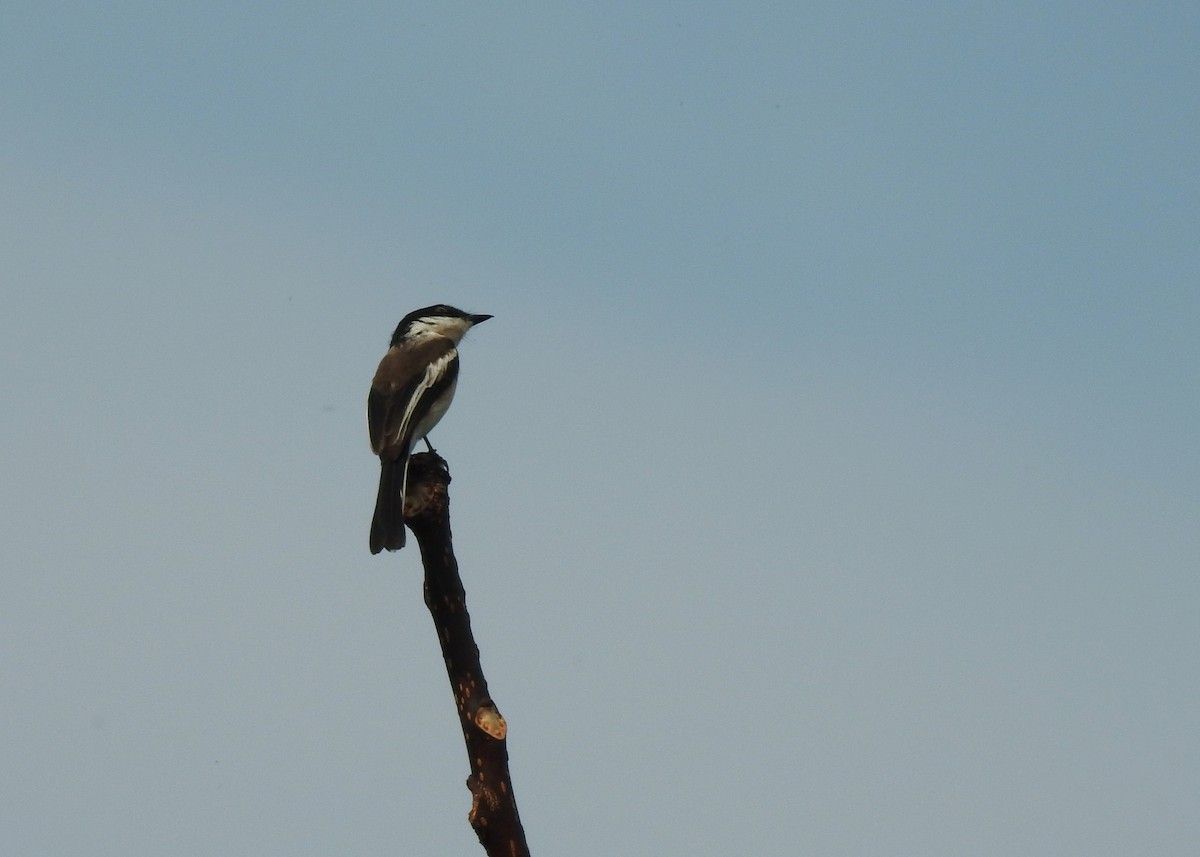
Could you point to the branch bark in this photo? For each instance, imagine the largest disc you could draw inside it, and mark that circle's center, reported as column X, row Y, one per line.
column 493, row 805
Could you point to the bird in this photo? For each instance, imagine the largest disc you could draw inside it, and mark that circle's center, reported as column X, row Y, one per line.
column 411, row 391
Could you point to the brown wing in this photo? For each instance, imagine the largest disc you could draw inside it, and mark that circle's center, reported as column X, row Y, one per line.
column 407, row 382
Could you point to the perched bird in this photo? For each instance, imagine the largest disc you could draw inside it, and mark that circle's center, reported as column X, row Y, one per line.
column 412, row 389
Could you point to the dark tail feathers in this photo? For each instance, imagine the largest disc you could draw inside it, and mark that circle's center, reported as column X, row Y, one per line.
column 387, row 527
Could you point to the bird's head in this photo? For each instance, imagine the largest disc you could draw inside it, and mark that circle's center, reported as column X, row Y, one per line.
column 436, row 320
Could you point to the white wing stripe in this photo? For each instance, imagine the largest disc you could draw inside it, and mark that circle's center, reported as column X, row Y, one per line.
column 434, row 373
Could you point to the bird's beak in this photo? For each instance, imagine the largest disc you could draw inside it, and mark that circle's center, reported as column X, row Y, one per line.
column 476, row 319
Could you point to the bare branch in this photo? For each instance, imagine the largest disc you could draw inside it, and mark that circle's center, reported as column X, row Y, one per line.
column 493, row 805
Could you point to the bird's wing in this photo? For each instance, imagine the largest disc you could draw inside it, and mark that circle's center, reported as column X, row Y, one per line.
column 408, row 382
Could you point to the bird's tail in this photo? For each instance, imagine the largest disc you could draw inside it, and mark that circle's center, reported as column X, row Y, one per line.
column 387, row 527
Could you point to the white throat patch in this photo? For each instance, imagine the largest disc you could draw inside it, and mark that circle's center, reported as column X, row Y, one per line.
column 441, row 325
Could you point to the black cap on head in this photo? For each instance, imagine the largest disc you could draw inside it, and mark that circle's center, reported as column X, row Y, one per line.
column 435, row 311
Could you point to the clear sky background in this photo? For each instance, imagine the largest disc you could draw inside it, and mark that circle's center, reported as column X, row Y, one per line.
column 826, row 483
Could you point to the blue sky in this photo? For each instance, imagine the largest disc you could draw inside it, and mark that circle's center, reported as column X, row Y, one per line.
column 826, row 482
